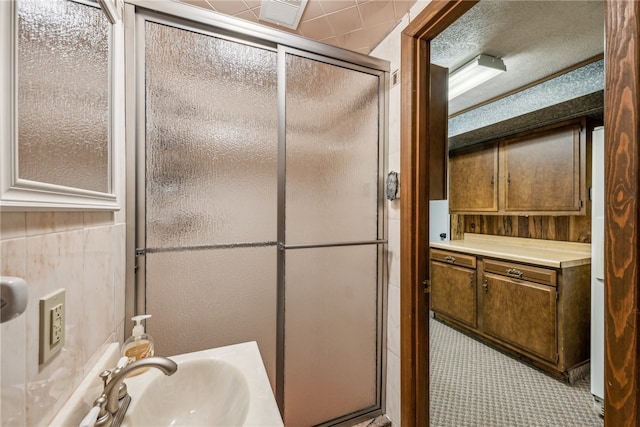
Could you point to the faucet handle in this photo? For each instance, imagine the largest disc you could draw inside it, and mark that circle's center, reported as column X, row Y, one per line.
column 98, row 414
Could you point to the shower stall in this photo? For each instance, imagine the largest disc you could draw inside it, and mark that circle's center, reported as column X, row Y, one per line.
column 259, row 214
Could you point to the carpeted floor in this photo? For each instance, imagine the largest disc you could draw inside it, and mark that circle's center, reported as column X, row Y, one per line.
column 474, row 385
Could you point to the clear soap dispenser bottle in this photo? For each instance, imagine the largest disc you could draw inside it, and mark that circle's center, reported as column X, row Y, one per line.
column 140, row 344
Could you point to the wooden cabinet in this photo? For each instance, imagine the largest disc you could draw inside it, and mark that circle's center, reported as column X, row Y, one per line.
column 438, row 128
column 537, row 313
column 542, row 172
column 520, row 313
column 453, row 286
column 473, row 179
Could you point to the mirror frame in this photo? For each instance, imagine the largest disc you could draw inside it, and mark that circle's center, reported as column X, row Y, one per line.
column 19, row 194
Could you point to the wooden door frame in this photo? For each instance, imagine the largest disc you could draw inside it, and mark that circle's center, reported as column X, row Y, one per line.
column 622, row 228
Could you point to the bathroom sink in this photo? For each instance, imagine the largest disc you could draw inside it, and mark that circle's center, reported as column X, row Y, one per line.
column 202, row 392
column 225, row 386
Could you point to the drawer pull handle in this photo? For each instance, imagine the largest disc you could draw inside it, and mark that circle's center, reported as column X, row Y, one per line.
column 513, row 272
column 450, row 259
column 485, row 285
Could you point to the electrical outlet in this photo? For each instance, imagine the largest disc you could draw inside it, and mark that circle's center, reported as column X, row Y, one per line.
column 52, row 320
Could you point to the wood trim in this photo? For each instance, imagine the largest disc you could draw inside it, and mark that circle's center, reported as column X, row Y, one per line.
column 414, row 208
column 622, row 213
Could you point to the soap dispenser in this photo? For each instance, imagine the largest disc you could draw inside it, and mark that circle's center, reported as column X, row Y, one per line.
column 140, row 344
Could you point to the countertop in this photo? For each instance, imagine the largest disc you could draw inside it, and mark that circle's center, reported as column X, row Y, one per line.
column 548, row 253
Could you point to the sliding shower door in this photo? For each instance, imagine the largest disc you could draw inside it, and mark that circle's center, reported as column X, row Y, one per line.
column 260, row 210
column 331, row 238
column 211, row 190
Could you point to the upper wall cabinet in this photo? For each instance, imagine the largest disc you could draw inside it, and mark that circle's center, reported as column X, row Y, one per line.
column 473, row 179
column 61, row 105
column 542, row 172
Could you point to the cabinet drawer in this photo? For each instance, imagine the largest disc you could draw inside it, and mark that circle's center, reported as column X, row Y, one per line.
column 519, row 271
column 453, row 258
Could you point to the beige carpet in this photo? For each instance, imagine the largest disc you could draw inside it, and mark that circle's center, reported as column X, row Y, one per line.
column 474, row 385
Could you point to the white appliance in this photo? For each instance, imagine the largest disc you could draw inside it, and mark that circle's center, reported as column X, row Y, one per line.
column 597, row 270
column 439, row 223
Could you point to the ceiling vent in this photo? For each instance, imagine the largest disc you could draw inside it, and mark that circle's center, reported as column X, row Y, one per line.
column 286, row 13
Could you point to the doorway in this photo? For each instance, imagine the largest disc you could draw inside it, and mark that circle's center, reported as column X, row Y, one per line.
column 621, row 124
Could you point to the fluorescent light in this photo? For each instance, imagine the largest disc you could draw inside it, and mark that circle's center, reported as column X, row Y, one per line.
column 479, row 70
column 286, row 13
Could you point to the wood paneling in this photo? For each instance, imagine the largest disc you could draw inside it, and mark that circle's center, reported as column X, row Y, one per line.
column 563, row 228
column 622, row 213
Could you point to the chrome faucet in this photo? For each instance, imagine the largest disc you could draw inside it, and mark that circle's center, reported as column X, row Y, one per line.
column 107, row 411
column 111, row 390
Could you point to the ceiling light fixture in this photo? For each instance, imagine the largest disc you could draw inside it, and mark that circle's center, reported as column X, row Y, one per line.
column 477, row 71
column 286, row 13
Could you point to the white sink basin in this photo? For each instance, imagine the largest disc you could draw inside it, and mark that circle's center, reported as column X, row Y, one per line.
column 202, row 392
column 226, row 386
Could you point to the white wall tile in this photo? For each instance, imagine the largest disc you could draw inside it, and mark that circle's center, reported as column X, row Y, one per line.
column 99, row 293
column 12, row 225
column 393, row 320
column 393, row 388
column 393, row 250
column 53, row 222
column 13, row 343
column 119, row 278
column 54, row 261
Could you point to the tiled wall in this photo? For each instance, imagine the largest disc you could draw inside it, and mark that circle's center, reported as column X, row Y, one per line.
column 82, row 252
column 389, row 49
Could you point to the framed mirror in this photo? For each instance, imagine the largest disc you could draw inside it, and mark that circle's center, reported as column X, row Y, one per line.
column 61, row 104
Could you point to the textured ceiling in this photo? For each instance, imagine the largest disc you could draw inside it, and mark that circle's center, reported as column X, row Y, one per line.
column 535, row 39
column 357, row 25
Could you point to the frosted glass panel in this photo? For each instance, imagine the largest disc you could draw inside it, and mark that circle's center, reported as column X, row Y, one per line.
column 330, row 333
column 63, row 101
column 331, row 153
column 211, row 140
column 210, row 298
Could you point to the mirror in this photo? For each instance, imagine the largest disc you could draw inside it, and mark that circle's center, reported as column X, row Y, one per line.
column 59, row 131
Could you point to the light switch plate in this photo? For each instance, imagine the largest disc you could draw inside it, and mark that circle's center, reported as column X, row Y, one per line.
column 52, row 324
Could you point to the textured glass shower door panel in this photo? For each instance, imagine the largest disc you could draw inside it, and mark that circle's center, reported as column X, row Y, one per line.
column 332, row 136
column 330, row 333
column 211, row 192
column 212, row 139
column 210, row 298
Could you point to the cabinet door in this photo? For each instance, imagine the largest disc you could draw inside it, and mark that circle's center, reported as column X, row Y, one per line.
column 453, row 292
column 520, row 313
column 473, row 177
column 544, row 172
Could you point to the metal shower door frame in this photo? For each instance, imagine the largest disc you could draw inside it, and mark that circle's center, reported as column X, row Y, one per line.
column 190, row 18
column 380, row 242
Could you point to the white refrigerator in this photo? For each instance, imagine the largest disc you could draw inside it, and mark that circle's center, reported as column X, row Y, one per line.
column 597, row 270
